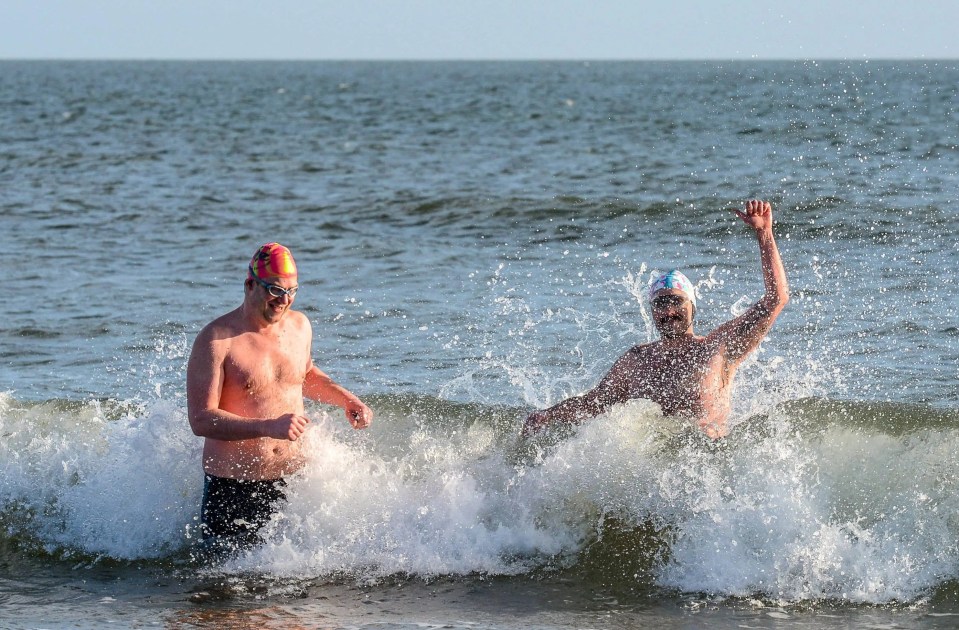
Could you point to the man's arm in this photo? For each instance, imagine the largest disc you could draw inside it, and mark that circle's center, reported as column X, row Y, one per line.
column 321, row 388
column 743, row 334
column 204, row 383
column 610, row 391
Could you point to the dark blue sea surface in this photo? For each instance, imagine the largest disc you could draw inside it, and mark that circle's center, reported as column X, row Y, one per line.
column 474, row 241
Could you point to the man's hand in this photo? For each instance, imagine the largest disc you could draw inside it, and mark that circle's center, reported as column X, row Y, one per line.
column 758, row 215
column 714, row 430
column 358, row 414
column 289, row 426
column 534, row 422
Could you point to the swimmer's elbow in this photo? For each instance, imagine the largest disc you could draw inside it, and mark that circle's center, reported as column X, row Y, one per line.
column 785, row 295
column 203, row 423
column 782, row 297
column 774, row 303
column 198, row 427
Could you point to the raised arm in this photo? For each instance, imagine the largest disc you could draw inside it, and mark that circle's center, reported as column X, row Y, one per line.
column 321, row 388
column 743, row 334
column 610, row 391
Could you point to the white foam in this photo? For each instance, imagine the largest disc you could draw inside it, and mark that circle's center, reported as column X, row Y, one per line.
column 123, row 488
column 776, row 510
column 438, row 508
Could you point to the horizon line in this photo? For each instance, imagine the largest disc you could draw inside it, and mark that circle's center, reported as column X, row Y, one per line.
column 478, row 59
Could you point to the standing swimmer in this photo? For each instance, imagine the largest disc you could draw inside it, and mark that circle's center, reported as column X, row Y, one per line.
column 687, row 375
column 246, row 378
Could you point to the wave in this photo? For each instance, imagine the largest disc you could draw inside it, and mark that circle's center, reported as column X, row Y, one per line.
column 811, row 499
column 565, row 218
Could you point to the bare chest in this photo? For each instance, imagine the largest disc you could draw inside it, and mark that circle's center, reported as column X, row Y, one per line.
column 677, row 379
column 265, row 365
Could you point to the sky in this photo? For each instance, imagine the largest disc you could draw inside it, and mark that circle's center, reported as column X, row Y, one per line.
column 479, row 29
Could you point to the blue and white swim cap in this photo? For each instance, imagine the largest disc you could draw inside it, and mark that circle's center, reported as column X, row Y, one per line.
column 673, row 280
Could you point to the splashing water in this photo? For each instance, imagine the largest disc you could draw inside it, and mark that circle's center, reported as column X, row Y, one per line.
column 796, row 505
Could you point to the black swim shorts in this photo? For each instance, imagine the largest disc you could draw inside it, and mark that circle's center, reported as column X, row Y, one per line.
column 234, row 510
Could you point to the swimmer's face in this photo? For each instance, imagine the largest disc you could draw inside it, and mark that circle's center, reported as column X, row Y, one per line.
column 672, row 313
column 272, row 297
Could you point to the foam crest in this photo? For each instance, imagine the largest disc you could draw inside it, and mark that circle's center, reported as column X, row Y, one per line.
column 75, row 480
column 136, row 497
column 780, row 521
column 438, row 508
column 796, row 504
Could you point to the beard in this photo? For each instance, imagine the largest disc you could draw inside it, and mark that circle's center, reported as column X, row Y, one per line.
column 672, row 326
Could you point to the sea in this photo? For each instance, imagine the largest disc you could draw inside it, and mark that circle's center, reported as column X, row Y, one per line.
column 475, row 241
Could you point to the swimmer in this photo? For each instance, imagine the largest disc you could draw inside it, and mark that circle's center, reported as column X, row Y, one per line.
column 686, row 374
column 247, row 375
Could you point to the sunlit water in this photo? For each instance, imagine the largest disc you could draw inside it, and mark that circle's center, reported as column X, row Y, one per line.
column 474, row 241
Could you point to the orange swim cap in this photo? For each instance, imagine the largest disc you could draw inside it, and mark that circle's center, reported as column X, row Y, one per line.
column 273, row 261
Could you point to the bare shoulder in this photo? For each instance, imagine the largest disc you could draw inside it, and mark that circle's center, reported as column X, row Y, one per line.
column 720, row 334
column 741, row 335
column 223, row 327
column 298, row 318
column 214, row 342
column 640, row 351
column 637, row 357
column 300, row 322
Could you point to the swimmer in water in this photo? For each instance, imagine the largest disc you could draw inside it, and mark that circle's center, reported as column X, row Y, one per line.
column 246, row 378
column 686, row 374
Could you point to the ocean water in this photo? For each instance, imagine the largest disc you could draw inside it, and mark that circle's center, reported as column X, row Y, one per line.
column 474, row 241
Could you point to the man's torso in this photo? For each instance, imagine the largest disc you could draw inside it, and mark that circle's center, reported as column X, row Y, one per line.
column 262, row 378
column 692, row 379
